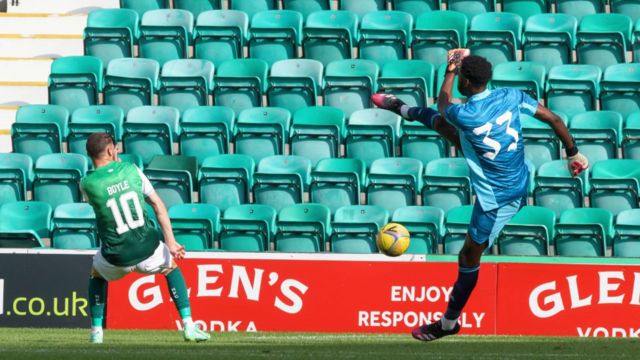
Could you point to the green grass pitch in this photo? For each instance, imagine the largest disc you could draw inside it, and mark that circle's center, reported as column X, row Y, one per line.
column 26, row 344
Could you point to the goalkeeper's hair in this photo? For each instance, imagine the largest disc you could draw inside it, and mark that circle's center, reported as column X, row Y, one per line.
column 97, row 143
column 476, row 69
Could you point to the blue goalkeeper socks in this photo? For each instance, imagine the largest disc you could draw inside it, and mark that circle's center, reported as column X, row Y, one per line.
column 462, row 289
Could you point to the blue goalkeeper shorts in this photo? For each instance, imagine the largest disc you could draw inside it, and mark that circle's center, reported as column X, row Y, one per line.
column 485, row 226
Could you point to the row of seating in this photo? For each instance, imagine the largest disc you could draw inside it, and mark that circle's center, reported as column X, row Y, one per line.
column 380, row 36
column 310, row 228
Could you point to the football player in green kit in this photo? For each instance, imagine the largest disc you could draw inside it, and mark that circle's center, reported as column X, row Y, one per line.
column 129, row 242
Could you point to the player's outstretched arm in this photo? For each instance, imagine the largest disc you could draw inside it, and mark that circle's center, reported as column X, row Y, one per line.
column 160, row 209
column 454, row 58
column 577, row 162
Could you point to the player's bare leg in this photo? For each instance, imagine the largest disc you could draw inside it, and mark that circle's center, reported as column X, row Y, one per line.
column 97, row 300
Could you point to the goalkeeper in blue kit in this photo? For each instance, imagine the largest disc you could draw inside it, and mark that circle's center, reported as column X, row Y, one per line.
column 487, row 129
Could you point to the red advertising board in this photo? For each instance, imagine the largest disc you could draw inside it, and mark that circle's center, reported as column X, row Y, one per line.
column 319, row 293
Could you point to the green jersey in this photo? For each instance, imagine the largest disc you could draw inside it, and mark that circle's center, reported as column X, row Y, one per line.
column 116, row 192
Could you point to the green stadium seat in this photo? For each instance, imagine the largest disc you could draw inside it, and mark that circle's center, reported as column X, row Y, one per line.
column 220, row 35
column 165, row 35
column 226, row 180
column 329, row 35
column 16, row 177
column 294, row 84
column 281, row 180
column 385, row 36
column 150, row 130
column 195, row 226
column 557, row 189
column 573, row 89
column 74, row 227
column 394, row 182
column 446, row 183
column 131, row 82
column 317, row 132
column 630, row 136
column 410, row 80
column 372, row 134
column 619, row 89
column 39, row 129
column 133, row 159
column 603, row 39
column 349, row 84
column 615, row 185
column 420, row 142
column 456, row 225
column 416, row 7
column 172, row 178
column 240, row 83
column 306, row 7
column 580, row 8
column 97, row 118
column 303, row 228
column 186, row 83
column 197, row 7
column 249, row 227
column 252, row 7
column 24, row 224
column 437, row 32
column 495, row 36
column 471, row 8
column 425, row 224
column 629, row 8
column 541, row 144
column 57, row 178
column 549, row 39
column 529, row 232
column 523, row 75
column 526, row 8
column 337, row 182
column 626, row 242
column 262, row 132
column 111, row 34
column 142, row 6
column 75, row 81
column 206, row 131
column 584, row 232
column 597, row 133
column 362, row 7
column 275, row 35
column 355, row 228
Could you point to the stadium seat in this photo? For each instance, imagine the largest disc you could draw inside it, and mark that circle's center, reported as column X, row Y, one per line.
column 362, row 7
column 220, row 35
column 281, row 180
column 471, row 8
column 629, row 8
column 420, row 142
column 523, row 75
column 39, row 130
column 133, row 159
column 416, row 7
column 355, row 228
column 394, row 182
column 57, row 178
column 16, row 177
column 437, row 32
column 195, row 226
column 306, row 7
column 240, row 83
column 557, row 189
column 275, row 35
column 197, row 7
column 626, row 242
column 252, row 7
column 111, row 34
column 317, row 132
column 150, row 130
column 584, row 232
column 24, row 224
column 262, row 132
column 186, row 83
column 526, row 8
column 528, row 233
column 548, row 39
column 142, row 6
column 409, row 80
column 603, row 39
column 619, row 89
column 580, row 8
column 425, row 224
column 75, row 81
column 495, row 36
column 337, row 182
column 172, row 178
column 385, row 36
column 226, row 180
column 615, row 185
column 74, row 227
column 349, row 84
column 541, row 144
column 165, row 35
column 329, row 36
column 294, row 84
column 630, row 136
column 456, row 225
column 131, row 82
column 206, row 131
column 597, row 133
column 446, row 183
column 372, row 134
column 573, row 89
column 303, row 228
column 97, row 118
column 249, row 227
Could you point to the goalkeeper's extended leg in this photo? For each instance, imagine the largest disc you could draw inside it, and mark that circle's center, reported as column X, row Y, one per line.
column 180, row 296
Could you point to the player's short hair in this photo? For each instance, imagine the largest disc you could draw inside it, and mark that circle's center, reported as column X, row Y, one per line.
column 476, row 69
column 97, row 143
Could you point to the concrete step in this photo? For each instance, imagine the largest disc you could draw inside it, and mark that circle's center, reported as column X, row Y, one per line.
column 40, row 45
column 25, row 70
column 21, row 93
column 61, row 6
column 7, row 117
column 42, row 24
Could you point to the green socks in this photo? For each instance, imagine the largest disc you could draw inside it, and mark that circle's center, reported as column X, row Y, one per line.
column 97, row 299
column 179, row 294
